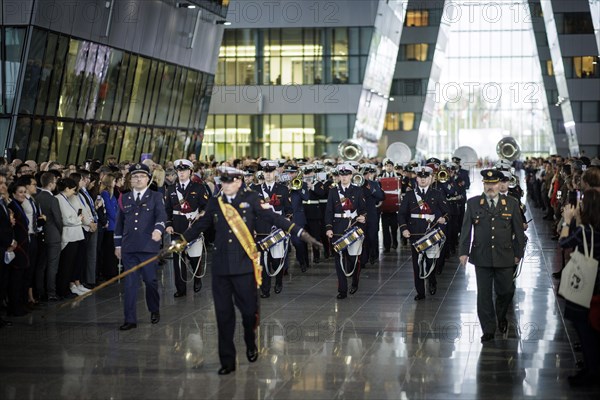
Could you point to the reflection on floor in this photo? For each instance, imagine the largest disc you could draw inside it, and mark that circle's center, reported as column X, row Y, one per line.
column 378, row 343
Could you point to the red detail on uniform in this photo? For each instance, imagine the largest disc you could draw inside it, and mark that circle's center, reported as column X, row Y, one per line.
column 425, row 208
column 347, row 205
column 185, row 207
column 274, row 201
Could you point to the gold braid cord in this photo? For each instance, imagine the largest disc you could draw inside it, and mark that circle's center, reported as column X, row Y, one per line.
column 241, row 232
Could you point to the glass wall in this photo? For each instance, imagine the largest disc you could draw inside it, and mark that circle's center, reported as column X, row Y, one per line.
column 491, row 87
column 85, row 100
column 300, row 56
column 276, row 135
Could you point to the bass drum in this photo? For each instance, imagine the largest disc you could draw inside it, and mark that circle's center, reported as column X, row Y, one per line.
column 391, row 187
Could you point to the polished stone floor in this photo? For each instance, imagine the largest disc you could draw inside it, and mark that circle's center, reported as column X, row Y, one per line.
column 376, row 344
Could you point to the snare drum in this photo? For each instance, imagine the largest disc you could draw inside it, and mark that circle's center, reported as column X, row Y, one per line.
column 275, row 243
column 196, row 247
column 430, row 239
column 351, row 241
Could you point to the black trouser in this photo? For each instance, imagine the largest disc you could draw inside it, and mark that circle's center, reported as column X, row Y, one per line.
column 108, row 262
column 389, row 224
column 271, row 266
column 348, row 266
column 301, row 250
column 17, row 291
column 69, row 261
column 241, row 291
column 180, row 271
column 490, row 280
column 419, row 282
column 314, row 227
column 30, row 273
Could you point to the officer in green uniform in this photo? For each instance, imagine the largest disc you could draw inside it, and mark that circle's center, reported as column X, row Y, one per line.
column 497, row 245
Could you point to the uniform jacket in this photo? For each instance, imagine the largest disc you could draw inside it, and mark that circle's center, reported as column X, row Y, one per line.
column 493, row 231
column 356, row 204
column 463, row 180
column 229, row 258
column 51, row 209
column 279, row 198
column 136, row 222
column 450, row 191
column 314, row 207
column 373, row 195
column 196, row 195
column 435, row 205
column 297, row 198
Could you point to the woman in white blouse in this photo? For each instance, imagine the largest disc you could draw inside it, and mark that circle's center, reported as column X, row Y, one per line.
column 70, row 265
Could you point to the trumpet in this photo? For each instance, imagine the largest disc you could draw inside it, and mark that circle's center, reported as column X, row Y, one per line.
column 442, row 175
column 358, row 179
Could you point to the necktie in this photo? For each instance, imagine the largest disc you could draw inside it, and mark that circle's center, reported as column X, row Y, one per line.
column 138, row 199
column 493, row 204
column 35, row 215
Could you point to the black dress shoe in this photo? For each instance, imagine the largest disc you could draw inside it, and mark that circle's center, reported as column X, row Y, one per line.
column 432, row 288
column 353, row 289
column 226, row 370
column 419, row 297
column 197, row 286
column 385, row 251
column 395, row 246
column 303, row 267
column 265, row 295
column 577, row 346
column 503, row 326
column 487, row 337
column 127, row 326
column 154, row 317
column 4, row 322
column 179, row 294
column 317, row 260
column 252, row 355
column 341, row 295
column 373, row 260
column 277, row 289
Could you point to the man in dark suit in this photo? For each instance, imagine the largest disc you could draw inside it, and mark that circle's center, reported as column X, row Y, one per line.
column 138, row 233
column 50, row 250
column 498, row 243
column 277, row 196
column 235, row 265
column 345, row 209
column 184, row 200
column 421, row 209
column 7, row 243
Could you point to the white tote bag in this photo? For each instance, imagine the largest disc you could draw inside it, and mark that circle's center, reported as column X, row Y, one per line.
column 579, row 276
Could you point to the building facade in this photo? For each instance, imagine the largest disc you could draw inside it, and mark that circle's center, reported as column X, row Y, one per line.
column 93, row 78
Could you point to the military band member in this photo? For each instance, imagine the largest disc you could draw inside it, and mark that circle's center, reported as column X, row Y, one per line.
column 373, row 195
column 184, row 200
column 450, row 193
column 463, row 183
column 314, row 208
column 277, row 196
column 497, row 245
column 421, row 209
column 345, row 209
column 139, row 227
column 389, row 220
column 297, row 197
column 235, row 265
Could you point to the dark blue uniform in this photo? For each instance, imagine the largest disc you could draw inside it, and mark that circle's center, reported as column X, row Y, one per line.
column 182, row 206
column 416, row 218
column 452, row 227
column 232, row 269
column 133, row 233
column 314, row 209
column 373, row 195
column 339, row 222
column 278, row 197
column 299, row 218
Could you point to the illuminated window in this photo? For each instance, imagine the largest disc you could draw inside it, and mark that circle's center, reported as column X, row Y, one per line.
column 415, row 52
column 585, row 67
column 417, row 18
column 399, row 121
column 549, row 68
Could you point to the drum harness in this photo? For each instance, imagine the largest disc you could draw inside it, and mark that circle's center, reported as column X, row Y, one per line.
column 286, row 245
column 422, row 261
column 193, row 270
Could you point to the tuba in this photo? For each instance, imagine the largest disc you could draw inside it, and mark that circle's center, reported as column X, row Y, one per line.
column 350, row 150
column 508, row 148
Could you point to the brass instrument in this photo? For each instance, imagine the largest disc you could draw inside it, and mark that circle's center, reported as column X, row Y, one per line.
column 350, row 150
column 508, row 148
column 513, row 182
column 260, row 176
column 358, row 179
column 442, row 175
column 296, row 183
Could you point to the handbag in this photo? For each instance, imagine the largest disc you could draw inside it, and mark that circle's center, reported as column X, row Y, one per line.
column 579, row 276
